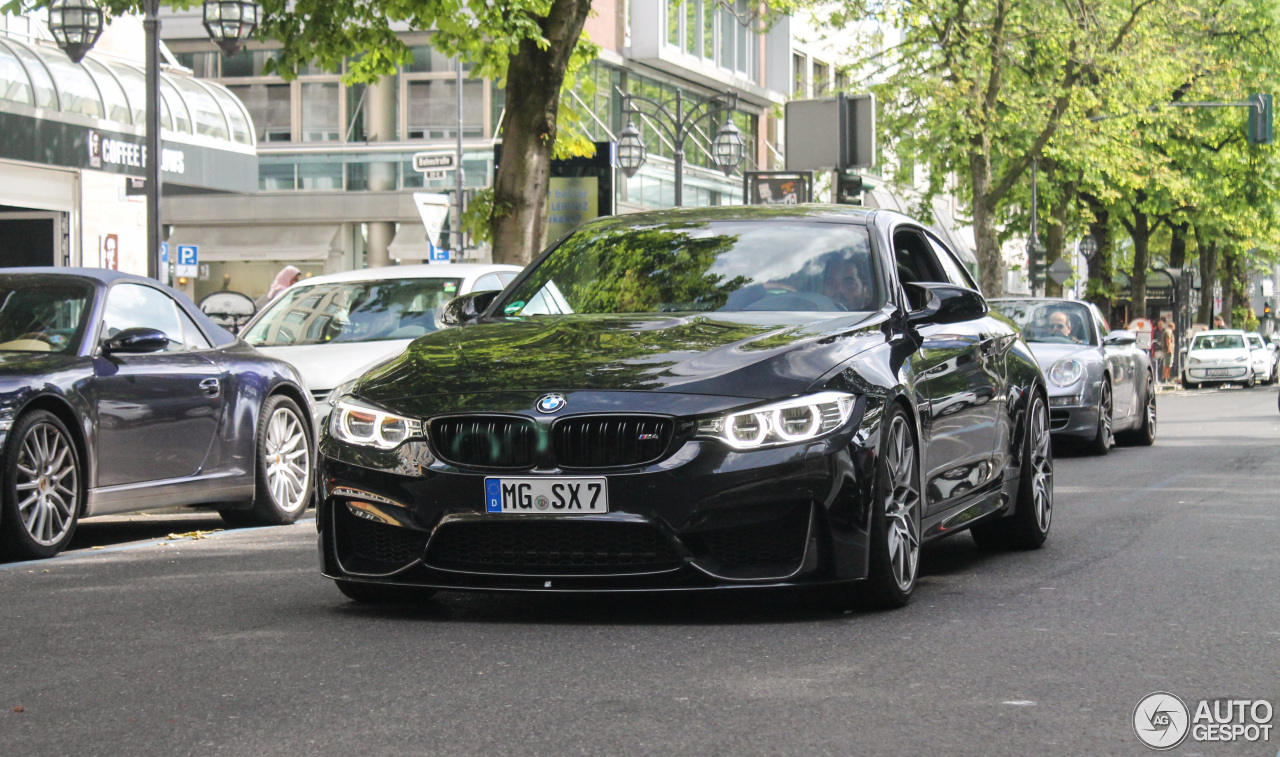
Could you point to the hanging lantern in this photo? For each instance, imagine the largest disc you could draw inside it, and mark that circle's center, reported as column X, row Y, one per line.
column 631, row 150
column 729, row 149
column 230, row 23
column 76, row 25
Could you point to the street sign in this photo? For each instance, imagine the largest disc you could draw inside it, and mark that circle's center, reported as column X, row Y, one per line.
column 435, row 162
column 434, row 173
column 439, row 255
column 1060, row 271
column 188, row 261
column 164, row 252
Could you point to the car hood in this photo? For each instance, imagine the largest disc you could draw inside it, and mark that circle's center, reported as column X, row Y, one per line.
column 749, row 355
column 324, row 366
column 1048, row 353
column 1219, row 356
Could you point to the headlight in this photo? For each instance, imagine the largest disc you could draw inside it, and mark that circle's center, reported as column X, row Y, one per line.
column 787, row 422
column 338, row 393
column 1066, row 371
column 1193, row 361
column 359, row 424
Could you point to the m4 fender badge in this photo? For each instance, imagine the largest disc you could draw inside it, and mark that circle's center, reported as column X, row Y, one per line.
column 549, row 403
column 648, row 437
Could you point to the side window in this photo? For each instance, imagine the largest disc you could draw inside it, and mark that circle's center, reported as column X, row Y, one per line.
column 488, row 283
column 133, row 305
column 954, row 271
column 191, row 333
column 507, row 277
column 914, row 258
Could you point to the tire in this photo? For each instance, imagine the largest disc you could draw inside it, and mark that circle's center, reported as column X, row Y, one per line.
column 1248, row 384
column 379, row 594
column 1102, row 439
column 1188, row 383
column 1028, row 527
column 894, row 553
column 42, row 492
column 284, row 467
column 1144, row 435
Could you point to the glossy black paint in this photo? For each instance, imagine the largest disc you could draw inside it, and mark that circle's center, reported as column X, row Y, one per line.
column 153, row 429
column 965, row 378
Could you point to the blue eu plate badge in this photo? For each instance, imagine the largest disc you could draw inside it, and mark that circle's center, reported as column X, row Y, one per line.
column 493, row 495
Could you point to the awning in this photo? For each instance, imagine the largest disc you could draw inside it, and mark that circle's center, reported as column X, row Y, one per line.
column 281, row 242
column 410, row 243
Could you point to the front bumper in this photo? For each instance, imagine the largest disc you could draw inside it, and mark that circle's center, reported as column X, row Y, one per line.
column 703, row 517
column 1213, row 373
column 1074, row 411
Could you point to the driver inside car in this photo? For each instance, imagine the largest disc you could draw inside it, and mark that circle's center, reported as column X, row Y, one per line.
column 844, row 281
column 1060, row 326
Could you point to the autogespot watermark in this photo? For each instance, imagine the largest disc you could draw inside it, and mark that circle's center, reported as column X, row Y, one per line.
column 1163, row 721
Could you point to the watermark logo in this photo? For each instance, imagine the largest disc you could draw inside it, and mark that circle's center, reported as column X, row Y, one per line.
column 1161, row 720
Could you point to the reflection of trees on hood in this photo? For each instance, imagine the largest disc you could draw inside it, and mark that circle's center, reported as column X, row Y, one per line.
column 642, row 270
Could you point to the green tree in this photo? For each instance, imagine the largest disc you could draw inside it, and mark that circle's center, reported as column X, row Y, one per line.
column 532, row 47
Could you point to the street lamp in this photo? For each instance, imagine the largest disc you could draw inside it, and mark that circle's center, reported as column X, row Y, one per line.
column 76, row 25
column 727, row 151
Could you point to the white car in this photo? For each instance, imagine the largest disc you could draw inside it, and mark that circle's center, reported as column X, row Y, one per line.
column 1264, row 359
column 333, row 328
column 1221, row 356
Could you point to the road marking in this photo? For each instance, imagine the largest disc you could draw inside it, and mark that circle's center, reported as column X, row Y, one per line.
column 81, row 554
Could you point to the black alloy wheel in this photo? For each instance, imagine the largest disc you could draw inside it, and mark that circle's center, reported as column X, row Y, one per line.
column 1028, row 527
column 895, row 519
column 42, row 496
column 1145, row 434
column 1100, row 444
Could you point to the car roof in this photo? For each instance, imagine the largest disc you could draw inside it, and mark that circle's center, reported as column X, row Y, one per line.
column 1239, row 332
column 425, row 271
column 101, row 275
column 854, row 214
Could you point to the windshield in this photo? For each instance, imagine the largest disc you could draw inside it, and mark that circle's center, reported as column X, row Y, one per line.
column 701, row 266
column 1218, row 342
column 1255, row 343
column 42, row 313
column 353, row 311
column 1053, row 321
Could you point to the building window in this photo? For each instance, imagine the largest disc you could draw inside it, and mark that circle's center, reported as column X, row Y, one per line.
column 432, row 108
column 268, row 106
column 821, row 78
column 799, row 71
column 321, row 117
column 730, row 42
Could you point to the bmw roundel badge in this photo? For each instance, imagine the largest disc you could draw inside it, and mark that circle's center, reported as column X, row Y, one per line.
column 550, row 403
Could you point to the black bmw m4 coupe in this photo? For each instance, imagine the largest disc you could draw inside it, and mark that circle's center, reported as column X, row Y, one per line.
column 694, row 399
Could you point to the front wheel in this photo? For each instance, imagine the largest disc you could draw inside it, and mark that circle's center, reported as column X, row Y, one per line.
column 41, row 494
column 284, row 464
column 1028, row 527
column 895, row 519
column 1249, row 382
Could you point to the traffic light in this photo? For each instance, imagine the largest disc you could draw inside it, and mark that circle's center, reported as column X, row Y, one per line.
column 849, row 188
column 1260, row 127
column 1037, row 267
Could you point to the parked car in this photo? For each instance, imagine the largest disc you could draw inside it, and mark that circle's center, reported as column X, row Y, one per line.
column 1101, row 384
column 1263, row 358
column 335, row 327
column 713, row 397
column 117, row 394
column 1219, row 356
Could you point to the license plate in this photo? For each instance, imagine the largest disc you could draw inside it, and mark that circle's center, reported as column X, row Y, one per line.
column 534, row 496
column 1216, row 372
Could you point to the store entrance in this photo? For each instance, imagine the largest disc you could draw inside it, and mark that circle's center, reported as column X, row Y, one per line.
column 29, row 238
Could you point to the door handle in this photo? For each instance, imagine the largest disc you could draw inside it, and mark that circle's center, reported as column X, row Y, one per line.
column 211, row 387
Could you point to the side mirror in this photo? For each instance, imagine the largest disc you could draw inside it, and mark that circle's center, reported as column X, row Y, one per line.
column 1119, row 337
column 136, row 341
column 467, row 309
column 936, row 303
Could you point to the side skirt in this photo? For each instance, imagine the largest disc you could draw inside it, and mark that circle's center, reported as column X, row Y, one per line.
column 150, row 495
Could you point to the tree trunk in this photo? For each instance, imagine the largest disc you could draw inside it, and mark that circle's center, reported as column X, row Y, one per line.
column 1101, row 272
column 1208, row 275
column 1140, row 233
column 1227, row 276
column 534, row 78
column 1178, row 244
column 1056, row 239
column 990, row 257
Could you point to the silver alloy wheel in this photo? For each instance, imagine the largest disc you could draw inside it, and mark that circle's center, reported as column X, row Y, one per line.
column 902, row 502
column 1104, row 413
column 288, row 460
column 1151, row 406
column 47, row 484
column 1041, row 467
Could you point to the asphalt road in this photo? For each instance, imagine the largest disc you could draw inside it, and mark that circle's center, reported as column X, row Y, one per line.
column 1160, row 575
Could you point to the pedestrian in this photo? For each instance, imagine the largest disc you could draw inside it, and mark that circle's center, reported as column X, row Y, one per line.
column 1167, row 341
column 1159, row 357
column 1218, row 323
column 287, row 277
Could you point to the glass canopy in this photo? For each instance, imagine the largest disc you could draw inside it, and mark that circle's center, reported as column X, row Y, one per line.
column 42, row 76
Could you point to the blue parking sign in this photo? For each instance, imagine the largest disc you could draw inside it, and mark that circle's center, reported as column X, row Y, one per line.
column 438, row 255
column 188, row 260
column 164, row 252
